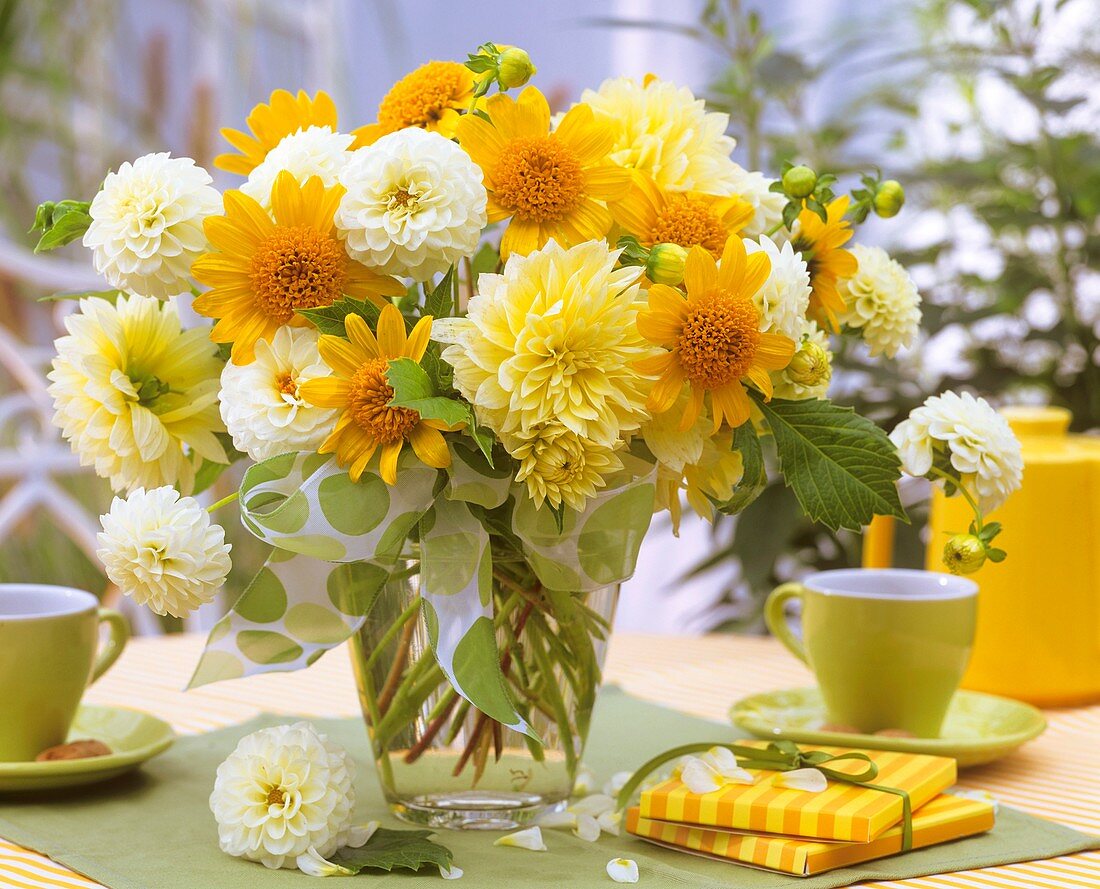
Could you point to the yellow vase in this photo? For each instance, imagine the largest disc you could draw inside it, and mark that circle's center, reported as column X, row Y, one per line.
column 1038, row 634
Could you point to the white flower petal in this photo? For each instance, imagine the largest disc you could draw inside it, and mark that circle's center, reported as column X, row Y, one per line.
column 700, row 777
column 623, row 870
column 315, row 866
column 360, row 835
column 451, row 873
column 564, row 818
column 530, row 839
column 611, row 822
column 587, row 828
column 617, row 782
column 594, row 804
column 810, row 780
column 586, row 781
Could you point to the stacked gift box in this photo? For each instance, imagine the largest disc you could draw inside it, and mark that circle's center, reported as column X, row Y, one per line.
column 804, row 833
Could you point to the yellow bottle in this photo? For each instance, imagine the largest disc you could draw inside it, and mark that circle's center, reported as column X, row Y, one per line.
column 1038, row 635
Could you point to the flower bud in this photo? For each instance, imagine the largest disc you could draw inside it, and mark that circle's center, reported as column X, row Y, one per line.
column 800, row 181
column 515, row 67
column 889, row 198
column 811, row 365
column 666, row 264
column 964, row 554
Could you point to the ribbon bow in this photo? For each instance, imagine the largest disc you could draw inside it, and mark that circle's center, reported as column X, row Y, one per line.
column 784, row 756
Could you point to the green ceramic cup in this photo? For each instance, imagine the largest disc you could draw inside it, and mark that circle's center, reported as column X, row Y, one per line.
column 48, row 641
column 888, row 646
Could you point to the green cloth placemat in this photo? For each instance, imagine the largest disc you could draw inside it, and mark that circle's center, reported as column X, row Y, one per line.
column 154, row 830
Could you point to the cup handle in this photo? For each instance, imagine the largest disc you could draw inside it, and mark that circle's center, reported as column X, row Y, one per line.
column 775, row 616
column 118, row 633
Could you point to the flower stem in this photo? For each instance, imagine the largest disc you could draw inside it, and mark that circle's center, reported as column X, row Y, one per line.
column 957, row 482
column 225, row 501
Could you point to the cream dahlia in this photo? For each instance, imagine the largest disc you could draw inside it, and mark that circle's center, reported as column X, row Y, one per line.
column 415, row 204
column 882, row 301
column 962, row 436
column 560, row 466
column 554, row 340
column 663, row 130
column 146, row 224
column 281, row 792
column 785, row 296
column 136, row 395
column 314, row 151
column 162, row 550
column 753, row 187
column 811, row 369
column 261, row 404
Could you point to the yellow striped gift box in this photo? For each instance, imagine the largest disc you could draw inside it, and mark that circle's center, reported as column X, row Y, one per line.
column 845, row 812
column 943, row 818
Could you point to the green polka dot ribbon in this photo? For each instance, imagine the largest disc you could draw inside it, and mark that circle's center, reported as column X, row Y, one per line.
column 335, row 543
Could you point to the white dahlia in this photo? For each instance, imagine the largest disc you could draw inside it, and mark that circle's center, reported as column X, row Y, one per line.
column 281, row 792
column 146, row 224
column 136, row 395
column 260, row 402
column 559, row 466
column 415, row 204
column 811, row 369
column 663, row 130
column 964, row 437
column 768, row 205
column 785, row 296
column 882, row 301
column 314, row 151
column 162, row 550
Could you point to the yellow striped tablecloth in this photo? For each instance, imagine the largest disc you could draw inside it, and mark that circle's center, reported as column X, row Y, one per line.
column 1057, row 776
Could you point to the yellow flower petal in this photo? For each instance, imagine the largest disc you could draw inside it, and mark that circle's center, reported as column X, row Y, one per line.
column 430, row 446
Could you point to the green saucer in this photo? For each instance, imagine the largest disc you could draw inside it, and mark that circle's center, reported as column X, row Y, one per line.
column 133, row 736
column 979, row 728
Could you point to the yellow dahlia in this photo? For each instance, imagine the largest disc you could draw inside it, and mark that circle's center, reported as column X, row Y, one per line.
column 135, row 394
column 554, row 340
column 359, row 390
column 713, row 338
column 267, row 269
column 284, row 114
column 714, row 475
column 549, row 184
column 431, row 97
column 558, row 466
column 657, row 216
column 820, row 245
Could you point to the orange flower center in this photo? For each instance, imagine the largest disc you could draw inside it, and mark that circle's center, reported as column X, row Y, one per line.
column 538, row 179
column 718, row 341
column 419, row 98
column 287, row 384
column 369, row 404
column 689, row 223
column 276, row 797
column 297, row 267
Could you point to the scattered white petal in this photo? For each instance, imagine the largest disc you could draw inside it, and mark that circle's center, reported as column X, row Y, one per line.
column 451, row 873
column 810, row 780
column 586, row 781
column 617, row 782
column 721, row 759
column 700, row 777
column 610, row 822
column 315, row 866
column 587, row 829
column 623, row 870
column 530, row 839
column 360, row 835
column 595, row 805
column 981, row 796
column 563, row 818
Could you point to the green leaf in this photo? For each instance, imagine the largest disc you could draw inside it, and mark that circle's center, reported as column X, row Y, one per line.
column 330, row 319
column 60, row 223
column 790, row 213
column 842, row 467
column 995, row 555
column 440, row 302
column 396, row 849
column 755, row 477
column 485, row 260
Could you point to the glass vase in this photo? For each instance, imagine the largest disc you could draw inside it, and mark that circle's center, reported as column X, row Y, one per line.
column 441, row 762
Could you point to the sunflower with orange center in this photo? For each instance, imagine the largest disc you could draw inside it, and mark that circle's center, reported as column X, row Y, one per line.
column 269, row 124
column 265, row 269
column 549, row 184
column 657, row 216
column 712, row 336
column 432, row 97
column 359, row 389
column 820, row 245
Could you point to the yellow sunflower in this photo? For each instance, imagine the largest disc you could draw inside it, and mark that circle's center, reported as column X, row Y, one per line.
column 550, row 184
column 360, row 391
column 431, row 97
column 819, row 243
column 284, row 114
column 713, row 337
column 657, row 216
column 264, row 270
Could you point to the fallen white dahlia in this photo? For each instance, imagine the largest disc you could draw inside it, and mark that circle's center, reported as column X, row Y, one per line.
column 314, row 151
column 415, row 204
column 882, row 301
column 163, row 551
column 284, row 791
column 261, row 404
column 146, row 224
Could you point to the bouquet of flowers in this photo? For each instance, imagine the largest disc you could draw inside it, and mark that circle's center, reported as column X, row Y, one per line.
column 468, row 349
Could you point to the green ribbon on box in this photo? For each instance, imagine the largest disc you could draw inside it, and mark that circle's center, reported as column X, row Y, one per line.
column 783, row 756
column 337, row 542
